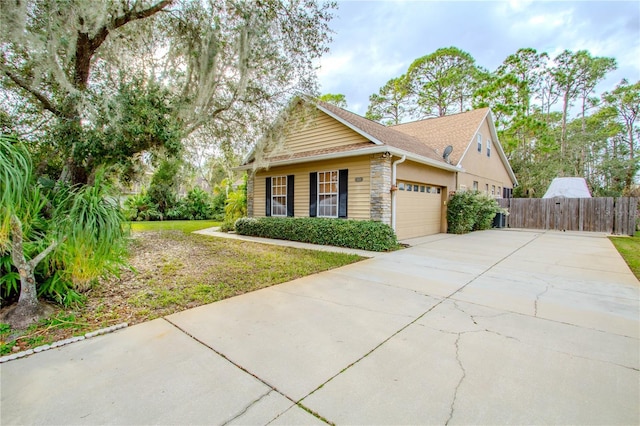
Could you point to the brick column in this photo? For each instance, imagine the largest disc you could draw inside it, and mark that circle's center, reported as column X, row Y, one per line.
column 381, row 188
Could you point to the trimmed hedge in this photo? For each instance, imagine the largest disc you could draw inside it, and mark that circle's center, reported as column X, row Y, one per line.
column 471, row 211
column 357, row 234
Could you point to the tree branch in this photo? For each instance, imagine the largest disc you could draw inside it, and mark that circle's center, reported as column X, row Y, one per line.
column 86, row 46
column 34, row 262
column 17, row 250
column 44, row 101
column 133, row 16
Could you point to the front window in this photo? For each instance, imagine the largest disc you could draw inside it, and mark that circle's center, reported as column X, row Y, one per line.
column 488, row 148
column 328, row 194
column 279, row 196
column 479, row 142
column 475, row 185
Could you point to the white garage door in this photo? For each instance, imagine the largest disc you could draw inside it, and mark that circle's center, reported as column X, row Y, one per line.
column 418, row 209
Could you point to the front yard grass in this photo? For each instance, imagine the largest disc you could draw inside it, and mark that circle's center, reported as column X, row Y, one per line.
column 629, row 248
column 174, row 270
column 185, row 226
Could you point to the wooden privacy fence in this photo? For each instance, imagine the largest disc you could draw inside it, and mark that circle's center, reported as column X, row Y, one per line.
column 603, row 214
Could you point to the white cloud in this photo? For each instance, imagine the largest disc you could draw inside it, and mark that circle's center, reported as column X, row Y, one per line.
column 332, row 65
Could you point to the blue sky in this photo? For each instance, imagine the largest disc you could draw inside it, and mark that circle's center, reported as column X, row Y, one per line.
column 377, row 41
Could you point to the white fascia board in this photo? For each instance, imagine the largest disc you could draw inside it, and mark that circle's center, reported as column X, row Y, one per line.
column 496, row 142
column 349, row 125
column 335, row 117
column 373, row 150
column 503, row 156
column 249, row 156
column 424, row 160
column 474, row 137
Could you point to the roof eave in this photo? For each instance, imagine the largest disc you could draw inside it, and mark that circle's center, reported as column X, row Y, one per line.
column 503, row 156
column 494, row 137
column 365, row 151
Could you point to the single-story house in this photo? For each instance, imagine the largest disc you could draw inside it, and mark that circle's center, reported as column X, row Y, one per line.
column 333, row 163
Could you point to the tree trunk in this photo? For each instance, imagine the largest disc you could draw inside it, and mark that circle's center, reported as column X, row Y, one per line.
column 563, row 135
column 28, row 310
column 631, row 170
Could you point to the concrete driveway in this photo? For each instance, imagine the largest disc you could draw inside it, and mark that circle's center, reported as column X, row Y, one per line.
column 493, row 327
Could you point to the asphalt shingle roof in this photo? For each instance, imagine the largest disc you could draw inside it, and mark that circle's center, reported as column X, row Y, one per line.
column 456, row 130
column 386, row 135
column 426, row 138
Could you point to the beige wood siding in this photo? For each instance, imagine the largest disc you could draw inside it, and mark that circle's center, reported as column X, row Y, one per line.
column 359, row 192
column 417, row 172
column 316, row 130
column 419, row 213
column 482, row 169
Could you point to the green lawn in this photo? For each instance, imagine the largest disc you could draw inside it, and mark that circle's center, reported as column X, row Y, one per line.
column 185, row 226
column 629, row 248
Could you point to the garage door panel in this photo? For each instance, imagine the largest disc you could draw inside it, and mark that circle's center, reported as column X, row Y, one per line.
column 418, row 213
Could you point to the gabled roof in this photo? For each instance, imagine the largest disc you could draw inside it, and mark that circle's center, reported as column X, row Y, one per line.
column 382, row 139
column 457, row 130
column 381, row 134
column 423, row 141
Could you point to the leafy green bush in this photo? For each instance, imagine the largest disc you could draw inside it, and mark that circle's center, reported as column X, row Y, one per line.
column 163, row 196
column 357, row 234
column 217, row 205
column 140, row 207
column 471, row 211
column 235, row 206
column 195, row 206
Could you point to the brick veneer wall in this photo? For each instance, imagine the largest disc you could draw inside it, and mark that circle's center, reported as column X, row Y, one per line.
column 381, row 188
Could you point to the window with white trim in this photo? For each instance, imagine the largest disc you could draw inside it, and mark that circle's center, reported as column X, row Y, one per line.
column 488, row 147
column 328, row 194
column 475, row 185
column 479, row 137
column 279, row 196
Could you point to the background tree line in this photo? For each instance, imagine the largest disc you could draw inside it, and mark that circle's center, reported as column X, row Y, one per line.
column 549, row 119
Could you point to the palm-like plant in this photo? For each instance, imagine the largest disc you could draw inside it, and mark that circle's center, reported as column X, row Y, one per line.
column 90, row 221
column 21, row 204
column 83, row 234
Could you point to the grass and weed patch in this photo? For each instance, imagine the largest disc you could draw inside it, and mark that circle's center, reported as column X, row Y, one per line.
column 64, row 323
column 629, row 249
column 186, row 226
column 174, row 271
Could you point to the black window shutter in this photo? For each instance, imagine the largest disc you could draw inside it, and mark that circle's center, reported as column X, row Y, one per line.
column 268, row 197
column 343, row 187
column 313, row 194
column 290, row 195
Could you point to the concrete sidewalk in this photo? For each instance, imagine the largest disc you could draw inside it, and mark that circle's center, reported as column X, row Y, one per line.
column 493, row 327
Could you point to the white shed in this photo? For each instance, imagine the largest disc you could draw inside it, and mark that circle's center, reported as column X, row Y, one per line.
column 568, row 187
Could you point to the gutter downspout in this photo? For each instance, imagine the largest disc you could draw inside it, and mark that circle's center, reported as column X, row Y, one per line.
column 393, row 193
